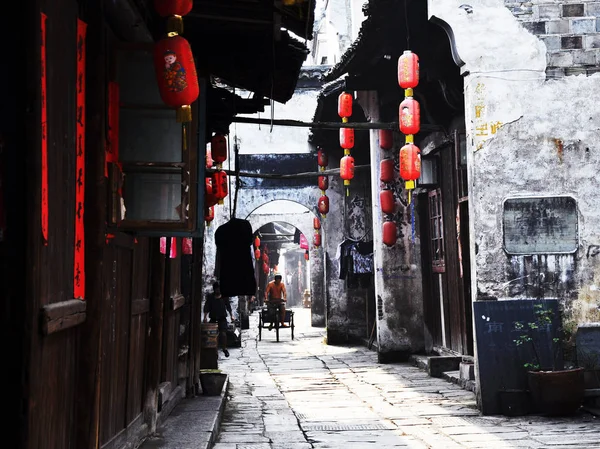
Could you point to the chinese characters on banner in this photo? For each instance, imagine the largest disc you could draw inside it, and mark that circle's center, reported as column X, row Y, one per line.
column 44, row 155
column 483, row 128
column 79, row 260
column 173, row 250
column 112, row 138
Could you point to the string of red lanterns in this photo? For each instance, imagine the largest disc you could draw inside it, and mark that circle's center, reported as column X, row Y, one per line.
column 317, row 228
column 346, row 139
column 387, row 202
column 323, row 203
column 410, row 120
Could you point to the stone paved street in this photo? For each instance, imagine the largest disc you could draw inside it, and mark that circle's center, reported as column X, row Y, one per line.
column 304, row 394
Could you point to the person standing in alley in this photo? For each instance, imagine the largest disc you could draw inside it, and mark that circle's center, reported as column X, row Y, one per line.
column 216, row 308
column 275, row 294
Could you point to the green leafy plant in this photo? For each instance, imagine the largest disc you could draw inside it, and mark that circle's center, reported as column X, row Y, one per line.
column 531, row 335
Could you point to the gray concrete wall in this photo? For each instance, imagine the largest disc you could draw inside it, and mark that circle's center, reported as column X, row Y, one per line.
column 398, row 278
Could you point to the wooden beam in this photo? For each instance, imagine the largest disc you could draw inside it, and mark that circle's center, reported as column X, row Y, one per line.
column 332, row 172
column 62, row 315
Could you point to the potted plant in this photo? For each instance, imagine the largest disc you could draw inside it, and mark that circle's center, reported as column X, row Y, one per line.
column 554, row 389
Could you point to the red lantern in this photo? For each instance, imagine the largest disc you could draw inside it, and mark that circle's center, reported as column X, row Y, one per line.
column 257, row 254
column 322, row 159
column 410, row 116
column 323, row 205
column 347, row 138
column 256, row 242
column 209, row 198
column 408, row 70
column 209, row 214
column 265, row 268
column 410, row 164
column 173, row 9
column 389, row 233
column 316, row 224
column 219, row 185
column 323, row 183
column 218, row 149
column 317, row 240
column 345, row 106
column 387, row 202
column 386, row 139
column 386, row 170
column 347, row 169
column 176, row 75
column 166, row 8
column 306, row 257
column 265, row 257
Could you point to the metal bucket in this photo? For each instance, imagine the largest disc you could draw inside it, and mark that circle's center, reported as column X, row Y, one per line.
column 209, row 335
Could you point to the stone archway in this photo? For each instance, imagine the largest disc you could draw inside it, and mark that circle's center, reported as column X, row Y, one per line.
column 302, row 218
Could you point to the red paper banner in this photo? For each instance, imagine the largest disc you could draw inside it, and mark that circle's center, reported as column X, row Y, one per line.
column 112, row 140
column 163, row 247
column 187, row 245
column 44, row 155
column 79, row 266
column 303, row 242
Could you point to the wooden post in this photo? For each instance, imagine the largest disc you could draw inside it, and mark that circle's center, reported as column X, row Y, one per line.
column 88, row 388
column 196, row 313
column 154, row 365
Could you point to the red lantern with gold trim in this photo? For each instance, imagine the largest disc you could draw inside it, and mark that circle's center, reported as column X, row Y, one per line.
column 347, row 138
column 322, row 158
column 323, row 183
column 176, row 75
column 257, row 254
column 386, row 139
column 410, row 116
column 265, row 268
column 218, row 149
column 323, row 205
column 408, row 70
column 316, row 224
column 390, row 233
column 317, row 240
column 410, row 164
column 306, row 256
column 219, row 185
column 209, row 198
column 209, row 214
column 387, row 202
column 173, row 9
column 265, row 257
column 345, row 105
column 347, row 169
column 386, row 170
column 256, row 242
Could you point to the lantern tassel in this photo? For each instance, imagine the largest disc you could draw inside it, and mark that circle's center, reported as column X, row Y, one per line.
column 175, row 25
column 184, row 114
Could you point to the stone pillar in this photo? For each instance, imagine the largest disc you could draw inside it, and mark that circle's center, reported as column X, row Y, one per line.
column 398, row 279
column 317, row 284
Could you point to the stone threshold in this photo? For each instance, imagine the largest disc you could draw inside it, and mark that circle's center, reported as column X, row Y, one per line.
column 453, row 368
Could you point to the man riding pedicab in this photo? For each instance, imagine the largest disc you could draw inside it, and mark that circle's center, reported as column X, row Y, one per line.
column 275, row 295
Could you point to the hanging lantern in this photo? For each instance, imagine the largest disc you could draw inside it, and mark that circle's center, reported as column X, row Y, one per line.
column 322, row 159
column 347, row 169
column 323, row 183
column 408, row 70
column 218, row 149
column 176, row 75
column 410, row 116
column 265, row 268
column 386, row 169
column 387, row 202
column 317, row 240
column 209, row 198
column 265, row 257
column 316, row 224
column 209, row 214
column 389, row 233
column 386, row 139
column 323, row 205
column 257, row 254
column 347, row 138
column 256, row 242
column 219, row 185
column 345, row 106
column 410, row 165
column 173, row 9
column 306, row 256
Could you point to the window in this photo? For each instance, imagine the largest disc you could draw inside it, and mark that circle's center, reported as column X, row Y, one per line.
column 154, row 178
column 436, row 231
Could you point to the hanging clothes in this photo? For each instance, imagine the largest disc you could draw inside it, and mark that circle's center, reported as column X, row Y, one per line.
column 355, row 263
column 234, row 258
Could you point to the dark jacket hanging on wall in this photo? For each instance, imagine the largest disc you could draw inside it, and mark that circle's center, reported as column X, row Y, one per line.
column 234, row 259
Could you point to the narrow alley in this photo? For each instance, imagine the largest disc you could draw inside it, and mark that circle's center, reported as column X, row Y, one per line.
column 301, row 393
